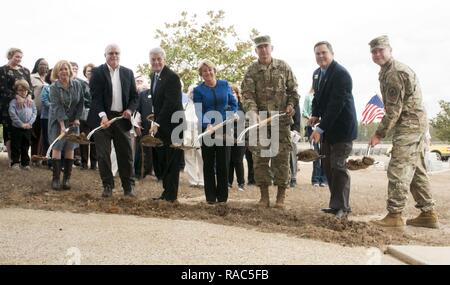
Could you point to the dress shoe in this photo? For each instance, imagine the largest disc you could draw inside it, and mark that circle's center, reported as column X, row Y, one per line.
column 329, row 211
column 107, row 192
column 340, row 214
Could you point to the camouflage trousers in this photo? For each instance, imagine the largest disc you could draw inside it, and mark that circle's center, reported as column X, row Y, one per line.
column 407, row 171
column 275, row 168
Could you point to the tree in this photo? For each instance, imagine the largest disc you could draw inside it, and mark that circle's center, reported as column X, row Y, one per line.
column 441, row 123
column 186, row 43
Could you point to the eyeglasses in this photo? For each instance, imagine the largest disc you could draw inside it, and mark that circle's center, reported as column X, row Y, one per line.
column 113, row 53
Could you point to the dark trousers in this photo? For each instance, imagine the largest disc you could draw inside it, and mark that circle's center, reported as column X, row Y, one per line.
column 251, row 170
column 45, row 142
column 36, row 136
column 216, row 161
column 20, row 143
column 119, row 133
column 293, row 162
column 147, row 166
column 318, row 174
column 337, row 174
column 87, row 151
column 236, row 163
column 157, row 154
column 169, row 160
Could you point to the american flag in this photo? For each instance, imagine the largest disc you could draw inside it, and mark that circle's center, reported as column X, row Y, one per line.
column 373, row 110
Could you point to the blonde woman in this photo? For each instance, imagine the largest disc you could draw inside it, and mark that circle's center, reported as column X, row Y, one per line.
column 66, row 107
column 214, row 95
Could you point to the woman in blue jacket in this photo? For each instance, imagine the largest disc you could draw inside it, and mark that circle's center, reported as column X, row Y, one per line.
column 214, row 103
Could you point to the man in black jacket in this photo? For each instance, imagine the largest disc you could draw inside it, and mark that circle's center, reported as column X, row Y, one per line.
column 145, row 108
column 114, row 94
column 334, row 109
column 166, row 98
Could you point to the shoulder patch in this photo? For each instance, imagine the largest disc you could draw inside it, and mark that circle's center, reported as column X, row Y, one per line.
column 393, row 93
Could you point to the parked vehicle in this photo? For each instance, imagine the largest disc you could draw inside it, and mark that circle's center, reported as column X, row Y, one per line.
column 442, row 151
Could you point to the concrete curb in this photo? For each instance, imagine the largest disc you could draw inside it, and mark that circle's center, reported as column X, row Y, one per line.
column 398, row 254
column 420, row 255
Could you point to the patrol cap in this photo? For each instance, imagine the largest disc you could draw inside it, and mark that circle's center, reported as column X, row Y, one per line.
column 262, row 40
column 379, row 42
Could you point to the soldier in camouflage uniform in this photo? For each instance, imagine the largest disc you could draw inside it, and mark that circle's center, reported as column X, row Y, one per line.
column 406, row 117
column 269, row 85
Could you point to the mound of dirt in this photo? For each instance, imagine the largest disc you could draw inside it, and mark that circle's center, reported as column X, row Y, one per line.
column 301, row 218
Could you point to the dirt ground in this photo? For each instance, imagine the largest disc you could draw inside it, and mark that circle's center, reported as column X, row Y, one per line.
column 301, row 218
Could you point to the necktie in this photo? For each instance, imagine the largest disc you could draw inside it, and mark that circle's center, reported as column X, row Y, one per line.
column 322, row 74
column 155, row 81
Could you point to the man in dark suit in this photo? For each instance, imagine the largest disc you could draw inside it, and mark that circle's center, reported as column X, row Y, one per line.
column 145, row 108
column 333, row 108
column 114, row 94
column 166, row 97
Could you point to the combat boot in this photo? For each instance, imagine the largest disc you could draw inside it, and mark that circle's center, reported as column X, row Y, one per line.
column 281, row 193
column 264, row 201
column 56, row 183
column 391, row 220
column 67, row 173
column 425, row 219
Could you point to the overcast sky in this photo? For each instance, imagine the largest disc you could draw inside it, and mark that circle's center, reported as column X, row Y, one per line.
column 79, row 30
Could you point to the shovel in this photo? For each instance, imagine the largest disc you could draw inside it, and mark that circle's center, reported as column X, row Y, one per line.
column 211, row 131
column 258, row 125
column 88, row 137
column 49, row 150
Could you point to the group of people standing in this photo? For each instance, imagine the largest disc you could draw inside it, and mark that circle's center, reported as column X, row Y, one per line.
column 269, row 86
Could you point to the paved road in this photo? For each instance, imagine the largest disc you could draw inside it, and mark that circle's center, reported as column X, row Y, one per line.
column 43, row 237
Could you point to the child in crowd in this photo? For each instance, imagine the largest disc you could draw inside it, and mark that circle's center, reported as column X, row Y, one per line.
column 22, row 116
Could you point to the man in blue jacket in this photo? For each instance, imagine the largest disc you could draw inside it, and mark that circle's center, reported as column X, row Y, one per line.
column 334, row 109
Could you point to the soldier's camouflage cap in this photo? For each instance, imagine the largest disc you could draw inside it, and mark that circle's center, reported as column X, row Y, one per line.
column 379, row 42
column 261, row 40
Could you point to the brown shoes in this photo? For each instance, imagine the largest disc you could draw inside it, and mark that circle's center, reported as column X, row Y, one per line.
column 281, row 194
column 425, row 219
column 391, row 220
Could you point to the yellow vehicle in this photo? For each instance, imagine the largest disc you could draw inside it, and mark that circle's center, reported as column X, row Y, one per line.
column 442, row 151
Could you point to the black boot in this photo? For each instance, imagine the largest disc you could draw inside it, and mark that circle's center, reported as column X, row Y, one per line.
column 56, row 164
column 67, row 172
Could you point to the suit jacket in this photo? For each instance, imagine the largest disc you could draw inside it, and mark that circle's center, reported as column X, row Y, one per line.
column 167, row 101
column 101, row 91
column 333, row 103
column 145, row 108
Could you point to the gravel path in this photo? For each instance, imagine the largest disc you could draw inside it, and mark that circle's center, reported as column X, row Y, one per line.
column 43, row 237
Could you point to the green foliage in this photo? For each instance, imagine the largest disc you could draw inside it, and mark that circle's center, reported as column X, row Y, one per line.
column 441, row 124
column 186, row 42
column 365, row 132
